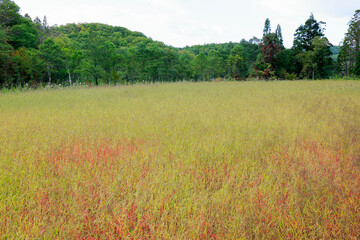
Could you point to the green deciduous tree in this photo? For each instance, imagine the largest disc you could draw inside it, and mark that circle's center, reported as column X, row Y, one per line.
column 20, row 31
column 185, row 59
column 313, row 50
column 9, row 13
column 19, row 67
column 52, row 55
column 36, row 66
column 103, row 55
column 200, row 67
column 236, row 63
column 287, row 64
column 72, row 56
column 216, row 64
column 6, row 51
column 262, row 69
column 316, row 62
column 23, row 35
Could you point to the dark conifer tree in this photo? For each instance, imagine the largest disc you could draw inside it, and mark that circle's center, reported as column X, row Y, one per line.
column 278, row 33
column 267, row 27
column 306, row 33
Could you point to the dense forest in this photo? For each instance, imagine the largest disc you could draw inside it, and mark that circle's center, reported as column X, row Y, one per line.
column 33, row 53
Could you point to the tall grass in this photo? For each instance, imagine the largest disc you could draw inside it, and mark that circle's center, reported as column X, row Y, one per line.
column 186, row 161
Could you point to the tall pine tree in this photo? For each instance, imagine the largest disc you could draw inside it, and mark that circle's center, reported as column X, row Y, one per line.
column 349, row 53
column 313, row 49
column 306, row 33
column 278, row 34
column 267, row 27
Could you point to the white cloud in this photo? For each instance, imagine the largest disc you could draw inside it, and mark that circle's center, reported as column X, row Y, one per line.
column 338, row 9
column 286, row 8
column 172, row 6
column 188, row 22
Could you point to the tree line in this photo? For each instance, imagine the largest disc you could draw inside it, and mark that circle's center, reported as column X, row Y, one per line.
column 34, row 53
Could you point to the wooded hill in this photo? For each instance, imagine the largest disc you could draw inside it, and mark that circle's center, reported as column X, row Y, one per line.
column 34, row 53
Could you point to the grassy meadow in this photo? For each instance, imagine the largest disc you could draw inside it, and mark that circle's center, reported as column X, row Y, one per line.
column 227, row 160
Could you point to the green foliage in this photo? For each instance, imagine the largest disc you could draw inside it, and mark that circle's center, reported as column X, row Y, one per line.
column 113, row 52
column 220, row 60
column 9, row 14
column 286, row 63
column 23, row 35
column 313, row 50
column 199, row 65
column 265, row 66
column 236, row 63
column 290, row 76
column 278, row 34
column 5, row 58
column 262, row 69
column 270, row 47
column 306, row 33
column 345, row 59
column 317, row 62
column 52, row 55
column 36, row 66
column 335, row 50
column 32, row 53
column 357, row 66
column 267, row 27
column 350, row 48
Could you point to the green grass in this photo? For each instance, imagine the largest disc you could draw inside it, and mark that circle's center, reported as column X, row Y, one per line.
column 272, row 160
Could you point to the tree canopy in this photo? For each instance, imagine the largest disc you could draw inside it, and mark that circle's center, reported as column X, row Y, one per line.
column 349, row 53
column 306, row 33
column 32, row 52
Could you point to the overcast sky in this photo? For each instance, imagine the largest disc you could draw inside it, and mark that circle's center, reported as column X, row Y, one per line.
column 189, row 22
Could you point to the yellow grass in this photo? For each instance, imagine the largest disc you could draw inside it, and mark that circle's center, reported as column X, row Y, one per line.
column 220, row 160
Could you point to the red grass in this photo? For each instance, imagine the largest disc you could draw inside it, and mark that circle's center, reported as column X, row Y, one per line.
column 93, row 192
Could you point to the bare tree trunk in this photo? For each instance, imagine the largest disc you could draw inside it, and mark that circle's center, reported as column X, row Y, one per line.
column 69, row 75
column 49, row 73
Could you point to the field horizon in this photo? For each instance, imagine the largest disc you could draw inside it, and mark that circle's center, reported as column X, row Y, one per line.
column 206, row 160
